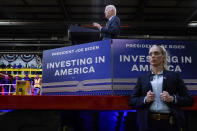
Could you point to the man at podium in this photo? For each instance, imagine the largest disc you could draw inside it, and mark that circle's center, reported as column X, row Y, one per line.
column 112, row 28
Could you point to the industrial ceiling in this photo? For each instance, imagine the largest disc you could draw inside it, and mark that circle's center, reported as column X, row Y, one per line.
column 44, row 24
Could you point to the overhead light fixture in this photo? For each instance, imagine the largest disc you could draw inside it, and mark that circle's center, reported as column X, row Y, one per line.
column 192, row 24
column 13, row 23
column 4, row 23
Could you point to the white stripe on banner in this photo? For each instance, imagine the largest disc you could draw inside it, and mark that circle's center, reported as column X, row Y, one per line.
column 123, row 87
column 79, row 86
column 103, row 81
column 192, row 87
column 190, row 80
column 125, row 80
column 96, row 81
column 135, row 80
column 77, row 83
column 60, row 83
column 75, row 89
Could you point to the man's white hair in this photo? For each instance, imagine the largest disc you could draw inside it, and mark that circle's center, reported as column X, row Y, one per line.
column 111, row 7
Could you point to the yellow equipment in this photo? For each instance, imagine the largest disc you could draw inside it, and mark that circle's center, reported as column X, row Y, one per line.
column 23, row 87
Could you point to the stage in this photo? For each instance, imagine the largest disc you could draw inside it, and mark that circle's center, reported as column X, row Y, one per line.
column 70, row 102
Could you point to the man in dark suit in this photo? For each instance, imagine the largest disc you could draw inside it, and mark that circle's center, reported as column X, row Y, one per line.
column 158, row 96
column 112, row 28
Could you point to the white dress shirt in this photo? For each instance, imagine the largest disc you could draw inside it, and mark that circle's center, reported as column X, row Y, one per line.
column 157, row 85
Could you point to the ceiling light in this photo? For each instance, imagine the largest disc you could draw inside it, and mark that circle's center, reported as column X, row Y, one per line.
column 192, row 24
column 4, row 23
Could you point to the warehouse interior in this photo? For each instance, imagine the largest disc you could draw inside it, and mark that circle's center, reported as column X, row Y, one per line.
column 29, row 27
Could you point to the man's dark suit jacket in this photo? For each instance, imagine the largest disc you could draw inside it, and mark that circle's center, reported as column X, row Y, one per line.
column 173, row 84
column 112, row 28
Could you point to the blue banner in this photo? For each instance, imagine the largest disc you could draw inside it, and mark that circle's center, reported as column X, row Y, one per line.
column 87, row 69
column 131, row 60
column 81, row 68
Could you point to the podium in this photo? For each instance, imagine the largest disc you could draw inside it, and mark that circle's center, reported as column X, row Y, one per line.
column 80, row 35
column 23, row 87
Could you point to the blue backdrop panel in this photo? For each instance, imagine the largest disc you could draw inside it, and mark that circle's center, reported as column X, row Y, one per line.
column 80, row 70
column 131, row 60
column 86, row 69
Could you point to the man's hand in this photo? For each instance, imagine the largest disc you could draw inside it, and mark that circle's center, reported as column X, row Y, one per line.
column 150, row 96
column 166, row 97
column 97, row 25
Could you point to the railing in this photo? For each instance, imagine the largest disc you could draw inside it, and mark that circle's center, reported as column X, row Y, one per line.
column 3, row 92
column 23, row 71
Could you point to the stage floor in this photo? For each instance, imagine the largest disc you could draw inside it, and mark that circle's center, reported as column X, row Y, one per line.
column 70, row 102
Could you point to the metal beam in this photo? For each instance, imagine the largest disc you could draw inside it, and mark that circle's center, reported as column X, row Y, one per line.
column 194, row 13
column 64, row 10
column 140, row 10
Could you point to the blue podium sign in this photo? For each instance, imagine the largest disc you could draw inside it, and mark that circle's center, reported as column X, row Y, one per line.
column 80, row 69
column 131, row 60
